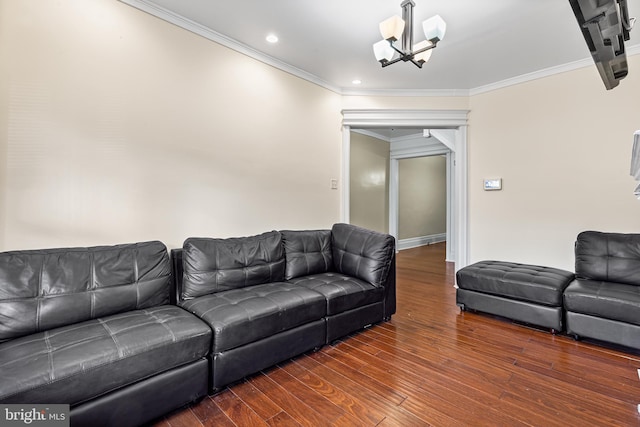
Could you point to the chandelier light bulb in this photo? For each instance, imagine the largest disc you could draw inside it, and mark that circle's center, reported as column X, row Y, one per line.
column 392, row 28
column 383, row 51
column 434, row 28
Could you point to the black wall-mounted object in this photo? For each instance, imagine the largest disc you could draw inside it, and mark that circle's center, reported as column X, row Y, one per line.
column 605, row 25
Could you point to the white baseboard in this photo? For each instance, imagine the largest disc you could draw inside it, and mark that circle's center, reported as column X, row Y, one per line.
column 414, row 242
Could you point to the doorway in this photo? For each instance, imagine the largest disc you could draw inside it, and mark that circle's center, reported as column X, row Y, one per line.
column 451, row 127
column 413, row 201
column 422, row 201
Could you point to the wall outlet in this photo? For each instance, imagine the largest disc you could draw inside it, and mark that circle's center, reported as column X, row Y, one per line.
column 334, row 184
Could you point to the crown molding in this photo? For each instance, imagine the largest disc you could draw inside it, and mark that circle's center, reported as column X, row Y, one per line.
column 546, row 72
column 201, row 30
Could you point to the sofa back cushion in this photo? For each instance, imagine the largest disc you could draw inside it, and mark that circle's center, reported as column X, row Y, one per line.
column 362, row 253
column 307, row 252
column 610, row 257
column 215, row 265
column 44, row 289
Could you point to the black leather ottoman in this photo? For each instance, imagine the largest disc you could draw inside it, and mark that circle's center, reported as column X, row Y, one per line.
column 526, row 293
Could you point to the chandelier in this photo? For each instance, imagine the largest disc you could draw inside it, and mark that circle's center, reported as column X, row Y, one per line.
column 396, row 28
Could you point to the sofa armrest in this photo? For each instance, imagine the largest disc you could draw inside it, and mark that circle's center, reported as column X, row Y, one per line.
column 367, row 255
column 362, row 253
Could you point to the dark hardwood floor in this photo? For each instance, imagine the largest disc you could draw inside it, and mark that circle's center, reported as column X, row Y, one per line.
column 433, row 365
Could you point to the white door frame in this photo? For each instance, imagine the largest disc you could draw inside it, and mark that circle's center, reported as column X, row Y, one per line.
column 426, row 119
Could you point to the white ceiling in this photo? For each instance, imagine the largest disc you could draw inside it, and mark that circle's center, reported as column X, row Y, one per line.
column 330, row 41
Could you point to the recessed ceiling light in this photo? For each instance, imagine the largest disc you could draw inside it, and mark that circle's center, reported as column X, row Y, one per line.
column 357, row 82
column 272, row 38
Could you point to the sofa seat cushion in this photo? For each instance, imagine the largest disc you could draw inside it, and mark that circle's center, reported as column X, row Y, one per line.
column 341, row 292
column 76, row 363
column 615, row 301
column 244, row 315
column 524, row 282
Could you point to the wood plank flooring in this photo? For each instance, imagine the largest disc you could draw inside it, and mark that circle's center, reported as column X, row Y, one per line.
column 433, row 365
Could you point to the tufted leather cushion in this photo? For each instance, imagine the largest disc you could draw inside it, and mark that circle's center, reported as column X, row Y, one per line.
column 244, row 315
column 532, row 283
column 307, row 252
column 610, row 257
column 362, row 253
column 45, row 289
column 342, row 292
column 608, row 300
column 76, row 363
column 215, row 265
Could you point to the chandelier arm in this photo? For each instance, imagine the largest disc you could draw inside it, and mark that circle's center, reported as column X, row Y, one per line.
column 402, row 53
column 425, row 49
column 387, row 63
column 417, row 64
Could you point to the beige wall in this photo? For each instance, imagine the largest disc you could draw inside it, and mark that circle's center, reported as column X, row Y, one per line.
column 4, row 112
column 116, row 126
column 422, row 196
column 562, row 146
column 369, row 187
column 122, row 127
column 406, row 102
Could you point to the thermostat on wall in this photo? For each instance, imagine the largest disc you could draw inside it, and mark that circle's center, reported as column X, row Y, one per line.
column 493, row 184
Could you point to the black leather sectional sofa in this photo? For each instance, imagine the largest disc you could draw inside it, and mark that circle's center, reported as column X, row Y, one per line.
column 93, row 328
column 126, row 333
column 600, row 301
